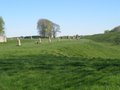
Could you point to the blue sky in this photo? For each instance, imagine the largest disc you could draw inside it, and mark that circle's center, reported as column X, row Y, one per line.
column 81, row 17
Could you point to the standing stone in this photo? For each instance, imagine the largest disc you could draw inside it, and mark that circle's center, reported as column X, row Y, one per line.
column 49, row 39
column 31, row 37
column 58, row 39
column 18, row 42
column 77, row 37
column 40, row 40
column 3, row 39
column 69, row 37
column 73, row 37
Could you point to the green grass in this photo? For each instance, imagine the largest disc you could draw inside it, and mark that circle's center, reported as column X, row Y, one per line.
column 107, row 37
column 65, row 65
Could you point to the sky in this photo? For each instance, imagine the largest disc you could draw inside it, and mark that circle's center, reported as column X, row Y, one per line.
column 83, row 17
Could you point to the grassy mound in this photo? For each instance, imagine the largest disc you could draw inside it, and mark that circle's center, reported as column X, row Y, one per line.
column 107, row 37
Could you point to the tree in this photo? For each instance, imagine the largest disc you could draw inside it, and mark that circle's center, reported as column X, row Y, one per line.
column 56, row 28
column 1, row 26
column 47, row 28
column 106, row 31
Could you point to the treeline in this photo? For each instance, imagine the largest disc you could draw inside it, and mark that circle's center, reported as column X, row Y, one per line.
column 61, row 37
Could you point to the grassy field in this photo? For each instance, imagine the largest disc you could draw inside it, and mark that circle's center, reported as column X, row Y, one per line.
column 60, row 65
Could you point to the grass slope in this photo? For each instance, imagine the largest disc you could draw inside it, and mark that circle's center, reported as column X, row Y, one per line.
column 64, row 65
column 107, row 37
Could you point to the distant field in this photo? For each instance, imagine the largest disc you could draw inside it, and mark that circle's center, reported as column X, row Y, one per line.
column 60, row 65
